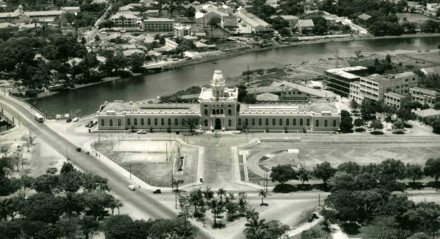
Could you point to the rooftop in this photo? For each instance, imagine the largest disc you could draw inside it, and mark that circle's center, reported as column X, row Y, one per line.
column 364, row 16
column 158, row 19
column 424, row 91
column 288, row 109
column 251, row 19
column 427, row 113
column 267, row 97
column 120, row 107
column 395, row 95
column 306, row 23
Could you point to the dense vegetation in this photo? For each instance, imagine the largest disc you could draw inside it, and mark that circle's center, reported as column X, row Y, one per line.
column 69, row 204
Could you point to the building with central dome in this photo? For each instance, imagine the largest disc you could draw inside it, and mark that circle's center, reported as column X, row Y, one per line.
column 218, row 109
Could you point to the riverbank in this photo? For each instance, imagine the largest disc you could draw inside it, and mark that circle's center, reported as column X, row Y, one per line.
column 219, row 55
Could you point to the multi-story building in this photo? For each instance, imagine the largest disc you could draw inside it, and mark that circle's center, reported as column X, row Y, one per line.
column 21, row 16
column 355, row 92
column 375, row 86
column 218, row 109
column 125, row 19
column 338, row 80
column 158, row 24
column 424, row 96
column 182, row 30
column 394, row 99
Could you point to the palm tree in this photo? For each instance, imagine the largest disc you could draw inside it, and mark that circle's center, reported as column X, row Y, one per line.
column 216, row 209
column 254, row 225
column 263, row 194
column 208, row 194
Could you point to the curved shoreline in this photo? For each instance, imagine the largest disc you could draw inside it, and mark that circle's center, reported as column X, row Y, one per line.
column 242, row 51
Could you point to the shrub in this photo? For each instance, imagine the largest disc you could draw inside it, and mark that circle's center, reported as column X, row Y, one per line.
column 284, row 188
column 376, row 133
column 416, row 185
column 359, row 130
column 433, row 184
column 219, row 225
column 399, row 132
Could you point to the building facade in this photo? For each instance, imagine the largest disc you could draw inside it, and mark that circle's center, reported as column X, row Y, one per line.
column 424, row 96
column 338, row 80
column 394, row 99
column 158, row 25
column 218, row 109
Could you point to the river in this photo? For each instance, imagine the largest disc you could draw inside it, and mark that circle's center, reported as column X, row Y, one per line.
column 88, row 99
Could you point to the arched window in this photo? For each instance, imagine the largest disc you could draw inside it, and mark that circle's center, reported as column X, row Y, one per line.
column 334, row 123
column 294, row 122
column 128, row 121
column 280, row 122
column 206, row 111
column 148, row 121
column 119, row 122
column 102, row 122
column 317, row 123
column 260, row 122
column 176, row 121
column 206, row 122
column 239, row 122
column 229, row 122
column 287, row 122
column 135, row 121
column 253, row 121
column 325, row 123
column 274, row 122
column 111, row 122
column 162, row 121
column 155, row 121
column 246, row 122
column 142, row 121
column 308, row 122
column 169, row 121
column 301, row 122
column 267, row 121
column 229, row 112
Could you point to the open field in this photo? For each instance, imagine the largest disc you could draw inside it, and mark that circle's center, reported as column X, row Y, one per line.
column 152, row 161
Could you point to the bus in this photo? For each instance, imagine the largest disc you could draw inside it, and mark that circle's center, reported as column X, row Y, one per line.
column 39, row 118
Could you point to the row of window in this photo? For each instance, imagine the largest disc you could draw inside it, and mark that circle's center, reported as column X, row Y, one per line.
column 218, row 111
column 282, row 122
column 142, row 121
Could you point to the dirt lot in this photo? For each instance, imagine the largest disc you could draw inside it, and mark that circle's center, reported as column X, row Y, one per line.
column 150, row 162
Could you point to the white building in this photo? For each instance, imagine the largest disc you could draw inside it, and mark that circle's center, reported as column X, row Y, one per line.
column 424, row 96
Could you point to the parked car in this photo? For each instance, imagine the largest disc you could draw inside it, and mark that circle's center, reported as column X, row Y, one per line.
column 132, row 187
column 142, row 132
column 68, row 120
column 75, row 119
column 157, row 191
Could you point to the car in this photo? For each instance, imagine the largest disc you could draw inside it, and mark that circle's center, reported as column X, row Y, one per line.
column 157, row 191
column 142, row 132
column 78, row 149
column 75, row 119
column 68, row 120
column 132, row 187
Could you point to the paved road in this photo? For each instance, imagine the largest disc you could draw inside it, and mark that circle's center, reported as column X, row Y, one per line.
column 141, row 199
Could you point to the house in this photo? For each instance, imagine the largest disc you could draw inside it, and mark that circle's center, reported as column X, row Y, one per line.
column 8, row 27
column 305, row 25
column 363, row 18
column 432, row 9
column 292, row 20
column 182, row 30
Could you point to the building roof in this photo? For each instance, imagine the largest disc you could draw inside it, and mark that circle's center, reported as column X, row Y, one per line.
column 364, row 16
column 288, row 109
column 395, row 95
column 304, row 23
column 158, row 19
column 120, row 107
column 428, row 113
column 7, row 25
column 424, row 91
column 277, row 87
column 346, row 72
column 267, row 97
column 431, row 70
column 251, row 19
column 289, row 17
column 127, row 15
column 43, row 13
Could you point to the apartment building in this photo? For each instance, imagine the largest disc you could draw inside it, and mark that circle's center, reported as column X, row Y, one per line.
column 158, row 24
column 394, row 99
column 375, row 86
column 338, row 80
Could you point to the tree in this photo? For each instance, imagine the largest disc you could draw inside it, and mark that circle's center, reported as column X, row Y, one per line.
column 213, row 22
column 121, row 226
column 97, row 38
column 221, row 193
column 324, row 171
column 283, row 173
column 263, row 195
column 45, row 183
column 303, row 175
column 217, row 208
column 436, row 127
column 359, row 122
column 414, row 171
column 395, row 168
column 424, row 217
column 88, row 225
column 42, row 207
column 399, row 125
column 254, row 227
column 350, row 168
column 376, row 124
column 432, row 168
column 346, row 124
column 136, row 61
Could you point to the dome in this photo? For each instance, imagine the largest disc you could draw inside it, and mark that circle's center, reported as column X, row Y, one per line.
column 217, row 78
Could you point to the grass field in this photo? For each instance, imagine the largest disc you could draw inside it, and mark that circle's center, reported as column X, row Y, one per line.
column 148, row 159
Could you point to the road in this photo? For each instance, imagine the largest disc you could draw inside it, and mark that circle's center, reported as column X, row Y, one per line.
column 141, row 199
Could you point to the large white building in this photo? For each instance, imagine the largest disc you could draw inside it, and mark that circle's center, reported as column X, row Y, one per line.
column 218, row 109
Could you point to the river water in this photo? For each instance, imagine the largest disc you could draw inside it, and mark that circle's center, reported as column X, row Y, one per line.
column 88, row 99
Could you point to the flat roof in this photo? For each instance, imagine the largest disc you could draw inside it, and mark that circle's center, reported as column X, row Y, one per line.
column 158, row 19
column 424, row 90
column 288, row 109
column 120, row 107
column 395, row 95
